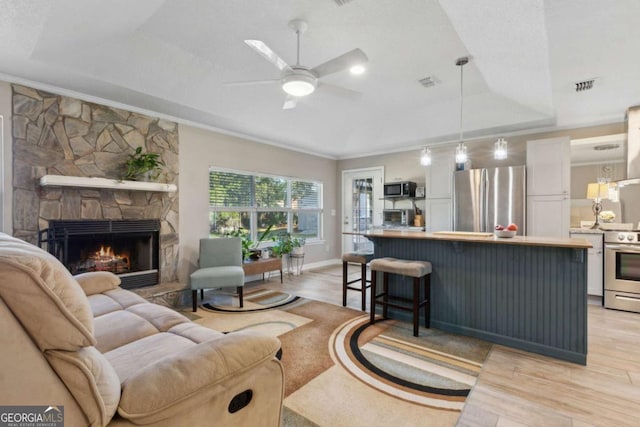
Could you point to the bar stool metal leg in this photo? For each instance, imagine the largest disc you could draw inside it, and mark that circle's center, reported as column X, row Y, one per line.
column 385, row 293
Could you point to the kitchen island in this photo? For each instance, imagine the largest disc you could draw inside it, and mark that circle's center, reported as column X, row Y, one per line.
column 524, row 292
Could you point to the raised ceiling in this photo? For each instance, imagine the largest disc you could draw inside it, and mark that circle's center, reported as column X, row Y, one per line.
column 173, row 58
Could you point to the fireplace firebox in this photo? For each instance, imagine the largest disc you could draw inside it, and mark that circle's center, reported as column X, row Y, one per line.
column 127, row 248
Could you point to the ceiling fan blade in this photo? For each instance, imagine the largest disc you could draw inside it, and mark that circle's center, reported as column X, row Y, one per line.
column 290, row 102
column 251, row 82
column 340, row 91
column 266, row 52
column 342, row 62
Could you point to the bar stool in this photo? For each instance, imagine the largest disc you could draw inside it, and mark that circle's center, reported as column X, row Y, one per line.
column 415, row 269
column 362, row 258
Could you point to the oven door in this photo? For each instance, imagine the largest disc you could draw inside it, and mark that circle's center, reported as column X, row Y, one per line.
column 622, row 277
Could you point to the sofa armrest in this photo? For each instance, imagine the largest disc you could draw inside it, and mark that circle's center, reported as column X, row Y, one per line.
column 170, row 383
column 97, row 282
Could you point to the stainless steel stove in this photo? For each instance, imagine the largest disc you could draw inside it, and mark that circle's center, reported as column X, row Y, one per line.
column 622, row 270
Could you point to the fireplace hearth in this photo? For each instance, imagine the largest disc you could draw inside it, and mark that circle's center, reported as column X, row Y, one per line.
column 127, row 248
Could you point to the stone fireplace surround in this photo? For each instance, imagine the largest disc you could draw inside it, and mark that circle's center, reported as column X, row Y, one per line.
column 60, row 135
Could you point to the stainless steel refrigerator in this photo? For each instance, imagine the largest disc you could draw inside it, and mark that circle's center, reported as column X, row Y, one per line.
column 484, row 198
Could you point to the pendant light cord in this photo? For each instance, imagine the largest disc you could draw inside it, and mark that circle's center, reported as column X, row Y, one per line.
column 461, row 97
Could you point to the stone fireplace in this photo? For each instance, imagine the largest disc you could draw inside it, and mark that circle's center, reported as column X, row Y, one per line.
column 60, row 135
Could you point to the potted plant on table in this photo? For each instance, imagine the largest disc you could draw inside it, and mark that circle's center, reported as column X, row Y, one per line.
column 250, row 248
column 287, row 245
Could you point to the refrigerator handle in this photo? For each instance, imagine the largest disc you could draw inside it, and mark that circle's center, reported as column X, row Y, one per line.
column 483, row 200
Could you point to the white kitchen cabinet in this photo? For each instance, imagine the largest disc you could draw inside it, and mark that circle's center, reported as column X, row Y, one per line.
column 438, row 214
column 548, row 216
column 439, row 176
column 595, row 262
column 548, row 184
column 438, row 204
column 549, row 166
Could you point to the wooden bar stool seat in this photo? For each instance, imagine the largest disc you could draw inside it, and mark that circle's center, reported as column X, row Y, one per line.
column 362, row 258
column 415, row 269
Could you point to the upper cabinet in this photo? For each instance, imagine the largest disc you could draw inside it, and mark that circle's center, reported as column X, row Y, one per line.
column 439, row 176
column 548, row 183
column 549, row 167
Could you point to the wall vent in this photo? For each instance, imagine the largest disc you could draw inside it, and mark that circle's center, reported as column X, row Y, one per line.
column 428, row 81
column 584, row 85
column 342, row 2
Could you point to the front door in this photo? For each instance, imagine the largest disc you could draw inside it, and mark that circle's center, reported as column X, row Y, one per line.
column 362, row 206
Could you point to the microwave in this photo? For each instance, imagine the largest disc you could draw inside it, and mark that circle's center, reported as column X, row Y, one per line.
column 400, row 189
column 397, row 217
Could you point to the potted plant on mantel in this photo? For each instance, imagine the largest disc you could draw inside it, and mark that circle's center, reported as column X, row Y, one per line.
column 145, row 166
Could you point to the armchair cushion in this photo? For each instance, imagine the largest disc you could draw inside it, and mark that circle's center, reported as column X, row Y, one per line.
column 217, row 277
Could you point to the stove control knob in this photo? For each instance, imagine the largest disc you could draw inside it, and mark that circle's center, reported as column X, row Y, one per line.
column 630, row 237
column 620, row 236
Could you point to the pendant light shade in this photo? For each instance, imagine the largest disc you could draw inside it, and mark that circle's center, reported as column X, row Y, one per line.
column 500, row 151
column 461, row 149
column 461, row 153
column 425, row 157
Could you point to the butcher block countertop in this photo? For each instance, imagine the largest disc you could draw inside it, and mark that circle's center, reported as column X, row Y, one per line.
column 489, row 238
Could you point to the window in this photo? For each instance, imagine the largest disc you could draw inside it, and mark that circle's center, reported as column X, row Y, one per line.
column 257, row 202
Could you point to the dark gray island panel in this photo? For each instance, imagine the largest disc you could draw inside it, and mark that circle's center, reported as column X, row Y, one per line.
column 531, row 297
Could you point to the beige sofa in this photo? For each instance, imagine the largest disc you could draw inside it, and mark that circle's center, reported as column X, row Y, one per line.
column 112, row 358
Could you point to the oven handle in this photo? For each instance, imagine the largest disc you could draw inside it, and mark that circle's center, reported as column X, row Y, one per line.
column 625, row 248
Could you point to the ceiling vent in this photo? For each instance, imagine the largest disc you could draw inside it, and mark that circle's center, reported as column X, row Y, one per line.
column 342, row 2
column 428, row 81
column 584, row 85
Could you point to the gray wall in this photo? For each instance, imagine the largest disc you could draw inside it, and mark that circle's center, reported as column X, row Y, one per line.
column 200, row 149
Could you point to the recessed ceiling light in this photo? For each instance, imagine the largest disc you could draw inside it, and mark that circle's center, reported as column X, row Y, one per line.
column 357, row 69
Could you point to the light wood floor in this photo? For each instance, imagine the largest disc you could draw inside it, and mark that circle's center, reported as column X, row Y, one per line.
column 516, row 388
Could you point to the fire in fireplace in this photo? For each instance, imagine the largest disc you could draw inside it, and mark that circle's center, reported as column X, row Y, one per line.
column 128, row 248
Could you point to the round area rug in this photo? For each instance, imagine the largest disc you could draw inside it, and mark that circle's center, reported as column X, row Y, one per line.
column 436, row 369
column 253, row 300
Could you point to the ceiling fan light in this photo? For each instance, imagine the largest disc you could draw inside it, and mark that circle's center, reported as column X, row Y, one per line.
column 425, row 157
column 300, row 83
column 357, row 69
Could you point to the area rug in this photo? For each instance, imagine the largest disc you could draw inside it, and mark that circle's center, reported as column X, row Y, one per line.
column 341, row 371
column 252, row 300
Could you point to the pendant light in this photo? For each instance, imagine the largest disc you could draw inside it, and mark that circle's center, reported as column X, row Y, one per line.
column 461, row 149
column 500, row 150
column 425, row 157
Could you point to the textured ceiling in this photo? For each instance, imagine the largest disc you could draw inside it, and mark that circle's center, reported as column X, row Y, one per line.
column 173, row 58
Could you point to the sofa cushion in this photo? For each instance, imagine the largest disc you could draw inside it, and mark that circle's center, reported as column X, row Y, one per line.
column 96, row 282
column 92, row 381
column 44, row 297
column 214, row 361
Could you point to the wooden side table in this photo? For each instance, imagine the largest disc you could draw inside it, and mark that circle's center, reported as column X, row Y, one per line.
column 262, row 265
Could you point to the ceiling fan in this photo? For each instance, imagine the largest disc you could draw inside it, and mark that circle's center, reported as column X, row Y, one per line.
column 297, row 80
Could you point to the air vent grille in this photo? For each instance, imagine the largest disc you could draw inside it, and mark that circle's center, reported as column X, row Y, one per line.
column 584, row 85
column 428, row 81
column 342, row 2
